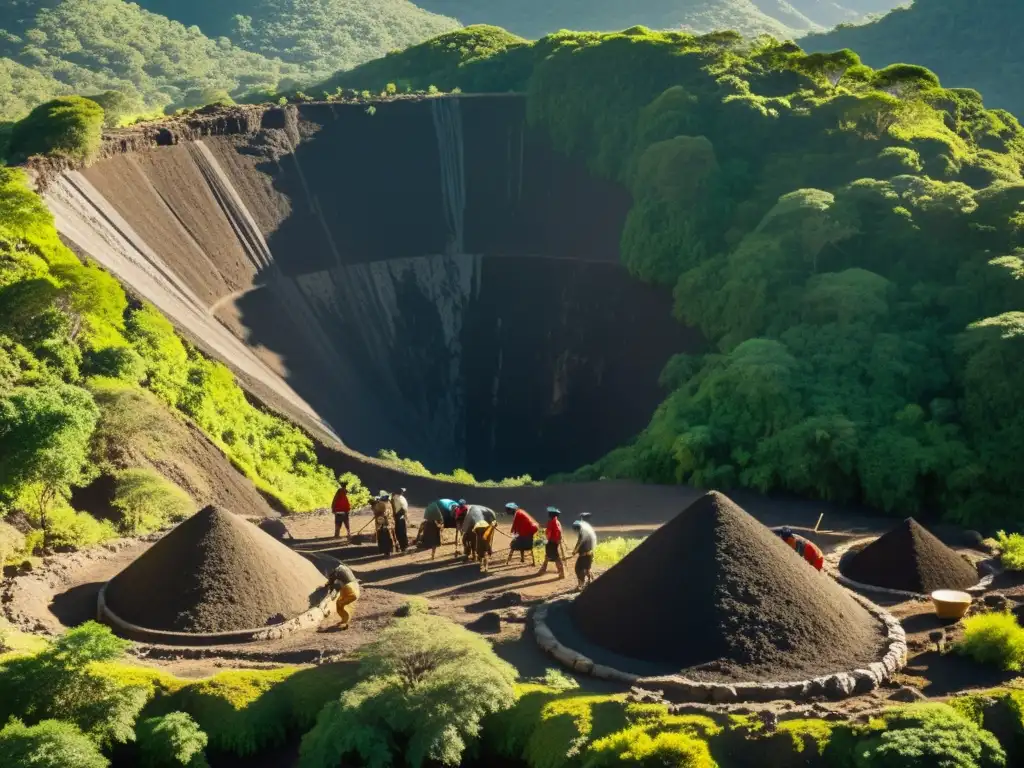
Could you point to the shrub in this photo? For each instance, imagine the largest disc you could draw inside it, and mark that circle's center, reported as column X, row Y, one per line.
column 114, row 362
column 171, row 740
column 61, row 682
column 611, row 551
column 148, row 502
column 1011, row 550
column 69, row 126
column 246, row 711
column 993, row 638
column 164, row 357
column 11, row 541
column 425, row 685
column 48, row 744
column 927, row 735
column 635, row 746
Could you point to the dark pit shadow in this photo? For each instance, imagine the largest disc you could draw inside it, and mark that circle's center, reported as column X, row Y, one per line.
column 77, row 605
column 949, row 673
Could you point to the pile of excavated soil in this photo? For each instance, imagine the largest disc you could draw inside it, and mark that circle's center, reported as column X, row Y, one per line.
column 215, row 572
column 911, row 559
column 717, row 595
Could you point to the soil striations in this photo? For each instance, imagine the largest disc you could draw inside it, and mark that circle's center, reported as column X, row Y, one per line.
column 718, row 596
column 911, row 559
column 215, row 572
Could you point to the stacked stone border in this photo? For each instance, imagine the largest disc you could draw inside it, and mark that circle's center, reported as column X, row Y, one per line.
column 306, row 620
column 834, row 560
column 680, row 689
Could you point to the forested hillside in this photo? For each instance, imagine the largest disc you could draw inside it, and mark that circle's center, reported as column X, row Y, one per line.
column 968, row 44
column 535, row 18
column 850, row 241
column 321, row 35
column 90, row 46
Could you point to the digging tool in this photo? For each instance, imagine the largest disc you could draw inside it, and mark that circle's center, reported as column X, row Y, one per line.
column 357, row 538
column 820, row 518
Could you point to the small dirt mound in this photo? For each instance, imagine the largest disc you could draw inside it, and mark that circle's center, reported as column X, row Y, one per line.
column 718, row 595
column 215, row 572
column 911, row 559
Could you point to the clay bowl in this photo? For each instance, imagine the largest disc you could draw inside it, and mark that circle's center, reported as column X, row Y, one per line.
column 951, row 604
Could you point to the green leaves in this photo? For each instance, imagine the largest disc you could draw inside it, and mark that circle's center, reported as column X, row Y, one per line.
column 49, row 744
column 425, row 686
column 68, row 126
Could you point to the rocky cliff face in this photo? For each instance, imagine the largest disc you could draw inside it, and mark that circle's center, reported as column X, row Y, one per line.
column 427, row 276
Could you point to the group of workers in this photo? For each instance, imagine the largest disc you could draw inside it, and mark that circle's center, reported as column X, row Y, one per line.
column 475, row 527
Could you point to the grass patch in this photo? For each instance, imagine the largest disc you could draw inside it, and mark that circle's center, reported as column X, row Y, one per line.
column 993, row 638
column 611, row 551
column 460, row 476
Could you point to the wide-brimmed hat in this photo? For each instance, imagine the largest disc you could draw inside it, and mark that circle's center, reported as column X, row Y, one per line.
column 554, row 511
column 577, row 523
column 584, row 515
column 511, row 507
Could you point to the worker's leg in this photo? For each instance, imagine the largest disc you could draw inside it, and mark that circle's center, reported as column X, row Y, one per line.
column 337, row 526
column 348, row 529
column 346, row 603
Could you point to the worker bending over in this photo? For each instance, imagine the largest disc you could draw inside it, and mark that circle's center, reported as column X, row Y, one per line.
column 524, row 528
column 586, row 543
column 553, row 544
column 343, row 581
column 400, row 510
column 806, row 548
column 474, row 515
column 341, row 508
column 429, row 535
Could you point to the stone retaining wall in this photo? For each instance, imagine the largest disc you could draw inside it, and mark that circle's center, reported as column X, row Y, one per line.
column 834, row 559
column 677, row 688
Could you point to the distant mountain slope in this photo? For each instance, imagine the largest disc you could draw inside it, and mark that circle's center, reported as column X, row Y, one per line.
column 968, row 44
column 88, row 46
column 536, row 18
column 321, row 35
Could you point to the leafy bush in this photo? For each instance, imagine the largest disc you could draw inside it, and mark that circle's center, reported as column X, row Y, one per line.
column 925, row 735
column 48, row 744
column 246, row 711
column 113, row 362
column 68, row 126
column 635, row 746
column 170, row 741
column 61, row 682
column 164, row 356
column 1011, row 550
column 11, row 541
column 148, row 502
column 610, row 551
column 425, row 686
column 993, row 638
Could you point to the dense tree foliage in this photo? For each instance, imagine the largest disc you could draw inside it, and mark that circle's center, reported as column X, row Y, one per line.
column 94, row 46
column 49, row 744
column 320, row 35
column 848, row 240
column 68, row 126
column 425, row 686
column 536, row 18
column 171, row 741
column 969, row 45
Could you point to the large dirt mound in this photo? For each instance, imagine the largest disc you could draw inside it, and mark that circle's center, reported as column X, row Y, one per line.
column 911, row 559
column 716, row 593
column 214, row 573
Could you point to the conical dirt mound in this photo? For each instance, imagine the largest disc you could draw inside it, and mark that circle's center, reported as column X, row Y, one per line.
column 911, row 559
column 716, row 594
column 215, row 572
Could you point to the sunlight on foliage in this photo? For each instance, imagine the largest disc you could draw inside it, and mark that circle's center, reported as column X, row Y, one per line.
column 1011, row 550
column 993, row 638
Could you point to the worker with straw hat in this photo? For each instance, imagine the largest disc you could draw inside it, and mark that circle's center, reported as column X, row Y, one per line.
column 524, row 528
column 553, row 544
column 586, row 543
column 344, row 582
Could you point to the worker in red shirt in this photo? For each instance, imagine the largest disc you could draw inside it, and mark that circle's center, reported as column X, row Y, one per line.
column 806, row 548
column 340, row 507
column 553, row 546
column 524, row 528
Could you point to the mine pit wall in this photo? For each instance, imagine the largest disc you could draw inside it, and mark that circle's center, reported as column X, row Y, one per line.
column 430, row 278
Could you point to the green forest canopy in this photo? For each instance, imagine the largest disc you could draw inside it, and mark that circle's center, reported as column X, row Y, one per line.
column 976, row 45
column 849, row 241
column 86, row 47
